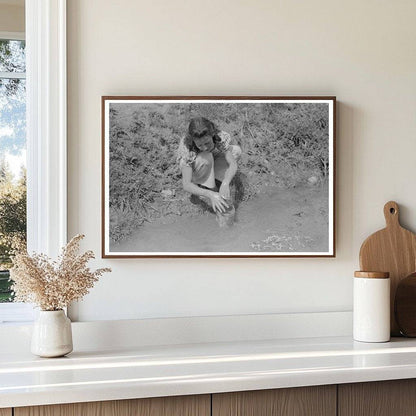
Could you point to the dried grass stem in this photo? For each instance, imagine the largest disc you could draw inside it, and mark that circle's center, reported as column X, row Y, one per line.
column 53, row 285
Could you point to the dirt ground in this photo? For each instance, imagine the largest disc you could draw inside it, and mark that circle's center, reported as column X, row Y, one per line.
column 277, row 220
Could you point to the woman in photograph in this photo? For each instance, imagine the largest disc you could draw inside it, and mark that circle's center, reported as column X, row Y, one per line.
column 208, row 162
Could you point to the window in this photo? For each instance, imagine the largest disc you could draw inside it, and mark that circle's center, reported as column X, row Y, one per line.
column 46, row 135
column 12, row 153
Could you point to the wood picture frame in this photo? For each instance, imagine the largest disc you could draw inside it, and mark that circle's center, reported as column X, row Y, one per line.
column 167, row 161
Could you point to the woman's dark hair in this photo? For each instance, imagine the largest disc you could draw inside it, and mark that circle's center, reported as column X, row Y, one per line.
column 199, row 127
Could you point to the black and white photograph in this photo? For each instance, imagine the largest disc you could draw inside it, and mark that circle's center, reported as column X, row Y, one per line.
column 218, row 176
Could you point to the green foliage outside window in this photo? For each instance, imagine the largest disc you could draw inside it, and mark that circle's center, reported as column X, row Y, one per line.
column 12, row 223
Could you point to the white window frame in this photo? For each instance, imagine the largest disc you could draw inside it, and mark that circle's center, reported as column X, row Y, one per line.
column 46, row 127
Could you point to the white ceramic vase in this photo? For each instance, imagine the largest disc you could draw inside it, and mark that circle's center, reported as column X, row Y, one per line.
column 52, row 334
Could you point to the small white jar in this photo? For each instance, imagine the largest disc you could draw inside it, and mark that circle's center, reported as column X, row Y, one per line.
column 371, row 314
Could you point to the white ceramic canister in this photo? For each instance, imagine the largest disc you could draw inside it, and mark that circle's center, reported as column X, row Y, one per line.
column 371, row 314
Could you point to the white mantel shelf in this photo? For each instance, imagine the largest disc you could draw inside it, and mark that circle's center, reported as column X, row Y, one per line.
column 151, row 371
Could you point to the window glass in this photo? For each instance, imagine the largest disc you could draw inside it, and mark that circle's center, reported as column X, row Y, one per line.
column 12, row 56
column 12, row 156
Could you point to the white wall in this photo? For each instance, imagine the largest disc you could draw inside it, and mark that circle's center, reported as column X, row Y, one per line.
column 361, row 51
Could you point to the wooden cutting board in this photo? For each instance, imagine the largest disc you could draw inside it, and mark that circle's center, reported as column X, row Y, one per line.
column 405, row 305
column 393, row 250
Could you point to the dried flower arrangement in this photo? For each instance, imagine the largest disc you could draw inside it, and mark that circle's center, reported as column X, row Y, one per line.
column 53, row 285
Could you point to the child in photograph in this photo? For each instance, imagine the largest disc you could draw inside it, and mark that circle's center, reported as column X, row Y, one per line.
column 208, row 162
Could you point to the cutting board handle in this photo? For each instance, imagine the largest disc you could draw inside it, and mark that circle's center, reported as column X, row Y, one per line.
column 391, row 214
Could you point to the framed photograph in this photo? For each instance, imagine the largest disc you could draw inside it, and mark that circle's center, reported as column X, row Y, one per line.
column 218, row 177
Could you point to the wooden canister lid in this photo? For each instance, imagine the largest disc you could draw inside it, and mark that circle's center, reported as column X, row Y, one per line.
column 372, row 275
